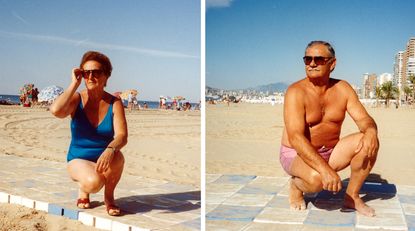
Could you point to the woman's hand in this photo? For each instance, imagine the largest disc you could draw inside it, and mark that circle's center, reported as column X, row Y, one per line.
column 77, row 76
column 104, row 160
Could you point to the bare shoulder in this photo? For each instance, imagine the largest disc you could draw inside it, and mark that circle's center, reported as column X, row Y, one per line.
column 340, row 84
column 296, row 89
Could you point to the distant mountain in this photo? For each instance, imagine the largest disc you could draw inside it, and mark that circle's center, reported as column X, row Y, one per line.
column 272, row 87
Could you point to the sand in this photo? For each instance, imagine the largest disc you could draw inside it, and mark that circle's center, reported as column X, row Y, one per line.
column 16, row 217
column 245, row 139
column 163, row 145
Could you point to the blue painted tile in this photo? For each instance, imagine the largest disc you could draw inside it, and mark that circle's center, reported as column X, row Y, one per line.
column 407, row 199
column 71, row 213
column 55, row 209
column 234, row 213
column 330, row 218
column 235, row 179
column 259, row 189
column 410, row 220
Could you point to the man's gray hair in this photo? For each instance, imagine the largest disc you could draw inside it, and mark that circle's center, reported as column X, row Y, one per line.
column 328, row 45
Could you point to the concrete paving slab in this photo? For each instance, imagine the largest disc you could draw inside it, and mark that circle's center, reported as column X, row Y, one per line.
column 225, row 225
column 281, row 216
column 382, row 221
column 248, row 200
column 223, row 188
column 234, row 213
column 254, row 226
column 150, row 205
column 324, row 209
column 330, row 218
column 234, row 179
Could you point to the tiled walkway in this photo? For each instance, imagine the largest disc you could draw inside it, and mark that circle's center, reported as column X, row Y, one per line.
column 235, row 202
column 146, row 203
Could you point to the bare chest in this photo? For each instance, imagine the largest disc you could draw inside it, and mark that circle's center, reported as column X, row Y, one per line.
column 328, row 108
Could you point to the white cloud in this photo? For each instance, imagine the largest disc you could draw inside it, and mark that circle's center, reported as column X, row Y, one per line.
column 91, row 44
column 218, row 3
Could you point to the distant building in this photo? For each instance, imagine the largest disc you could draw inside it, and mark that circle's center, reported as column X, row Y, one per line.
column 385, row 77
column 369, row 86
column 409, row 60
column 358, row 90
column 398, row 69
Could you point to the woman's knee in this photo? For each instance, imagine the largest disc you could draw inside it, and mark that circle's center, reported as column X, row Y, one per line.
column 92, row 184
column 118, row 160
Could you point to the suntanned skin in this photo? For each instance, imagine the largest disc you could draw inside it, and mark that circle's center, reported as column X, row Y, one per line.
column 107, row 172
column 314, row 110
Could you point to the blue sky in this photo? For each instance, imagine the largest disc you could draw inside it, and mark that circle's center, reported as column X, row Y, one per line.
column 251, row 42
column 154, row 45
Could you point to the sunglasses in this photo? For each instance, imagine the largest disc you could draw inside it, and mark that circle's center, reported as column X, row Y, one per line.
column 319, row 60
column 95, row 73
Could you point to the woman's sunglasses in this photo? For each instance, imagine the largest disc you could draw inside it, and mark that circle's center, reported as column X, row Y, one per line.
column 95, row 73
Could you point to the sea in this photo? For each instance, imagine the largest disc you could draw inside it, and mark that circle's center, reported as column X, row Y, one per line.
column 14, row 99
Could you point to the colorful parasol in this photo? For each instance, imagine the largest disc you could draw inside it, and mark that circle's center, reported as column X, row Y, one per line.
column 49, row 94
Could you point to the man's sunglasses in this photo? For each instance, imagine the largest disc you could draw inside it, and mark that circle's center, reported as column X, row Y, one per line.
column 319, row 60
column 95, row 73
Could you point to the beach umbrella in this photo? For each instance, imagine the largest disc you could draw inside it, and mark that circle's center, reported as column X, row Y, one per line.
column 124, row 94
column 49, row 94
column 179, row 98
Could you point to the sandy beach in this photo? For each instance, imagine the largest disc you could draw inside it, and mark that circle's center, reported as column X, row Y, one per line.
column 162, row 145
column 245, row 139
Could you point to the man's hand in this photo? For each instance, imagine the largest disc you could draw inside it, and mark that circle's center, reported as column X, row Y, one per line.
column 331, row 180
column 369, row 143
column 104, row 161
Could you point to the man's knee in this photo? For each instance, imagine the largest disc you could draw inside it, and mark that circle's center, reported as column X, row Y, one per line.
column 315, row 183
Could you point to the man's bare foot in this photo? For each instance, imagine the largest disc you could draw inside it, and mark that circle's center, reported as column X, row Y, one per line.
column 358, row 204
column 296, row 197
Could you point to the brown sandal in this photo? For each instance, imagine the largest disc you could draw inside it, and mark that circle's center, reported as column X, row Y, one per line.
column 84, row 201
column 116, row 211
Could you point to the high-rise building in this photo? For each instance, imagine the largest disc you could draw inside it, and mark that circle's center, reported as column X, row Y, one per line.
column 369, row 86
column 409, row 60
column 398, row 69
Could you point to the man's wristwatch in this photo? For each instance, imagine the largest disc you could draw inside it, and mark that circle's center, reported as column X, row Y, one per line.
column 112, row 148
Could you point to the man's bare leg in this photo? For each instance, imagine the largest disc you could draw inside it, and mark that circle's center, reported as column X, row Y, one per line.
column 305, row 180
column 113, row 175
column 360, row 169
column 296, row 197
column 344, row 155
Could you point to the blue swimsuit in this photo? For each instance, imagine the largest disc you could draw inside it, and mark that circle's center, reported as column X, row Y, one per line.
column 89, row 142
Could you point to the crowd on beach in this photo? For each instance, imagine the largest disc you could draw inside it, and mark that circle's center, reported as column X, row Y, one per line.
column 28, row 95
column 176, row 104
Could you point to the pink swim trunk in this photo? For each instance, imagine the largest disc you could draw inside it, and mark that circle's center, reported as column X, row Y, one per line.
column 287, row 156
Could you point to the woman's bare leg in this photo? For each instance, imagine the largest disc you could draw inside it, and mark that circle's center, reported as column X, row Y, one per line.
column 113, row 175
column 89, row 181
